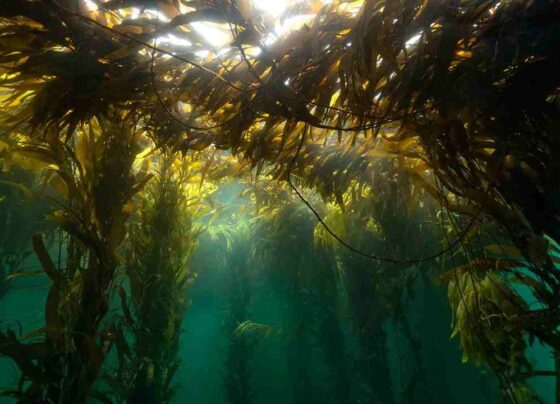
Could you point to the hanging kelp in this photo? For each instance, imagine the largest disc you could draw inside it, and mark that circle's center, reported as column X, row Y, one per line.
column 462, row 96
column 308, row 281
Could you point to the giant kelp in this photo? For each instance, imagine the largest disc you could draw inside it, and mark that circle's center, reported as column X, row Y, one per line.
column 416, row 103
column 309, row 281
column 91, row 213
column 378, row 296
column 238, row 361
column 162, row 239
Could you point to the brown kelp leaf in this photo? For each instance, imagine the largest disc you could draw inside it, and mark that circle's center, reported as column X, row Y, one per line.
column 95, row 355
column 54, row 323
column 477, row 266
column 46, row 262
column 504, row 250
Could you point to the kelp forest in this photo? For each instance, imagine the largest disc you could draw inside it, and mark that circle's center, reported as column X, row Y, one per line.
column 280, row 201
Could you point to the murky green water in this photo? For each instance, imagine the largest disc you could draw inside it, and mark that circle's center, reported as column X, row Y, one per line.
column 302, row 344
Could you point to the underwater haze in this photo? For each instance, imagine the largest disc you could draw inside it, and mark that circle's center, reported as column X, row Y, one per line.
column 280, row 201
column 284, row 323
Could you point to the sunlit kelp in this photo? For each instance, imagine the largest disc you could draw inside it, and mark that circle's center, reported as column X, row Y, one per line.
column 161, row 240
column 490, row 314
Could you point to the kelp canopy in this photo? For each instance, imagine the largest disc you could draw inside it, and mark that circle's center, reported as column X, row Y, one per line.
column 419, row 134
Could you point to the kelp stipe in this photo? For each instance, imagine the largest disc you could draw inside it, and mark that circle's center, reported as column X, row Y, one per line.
column 460, row 98
column 161, row 240
column 93, row 178
column 238, row 362
column 306, row 276
column 383, row 215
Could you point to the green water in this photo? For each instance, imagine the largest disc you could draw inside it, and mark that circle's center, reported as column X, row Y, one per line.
column 204, row 344
column 313, row 352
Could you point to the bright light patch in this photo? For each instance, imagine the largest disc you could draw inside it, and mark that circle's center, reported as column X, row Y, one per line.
column 91, row 6
column 202, row 54
column 493, row 9
column 351, row 7
column 223, row 52
column 272, row 7
column 292, row 24
column 218, row 37
column 135, row 13
column 215, row 36
column 414, row 40
column 174, row 40
column 254, row 52
column 154, row 14
column 270, row 39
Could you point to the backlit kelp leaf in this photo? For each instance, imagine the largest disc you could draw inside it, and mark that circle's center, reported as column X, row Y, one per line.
column 258, row 330
column 38, row 153
column 33, row 334
column 524, row 394
column 493, row 301
column 335, row 219
column 24, row 274
column 479, row 266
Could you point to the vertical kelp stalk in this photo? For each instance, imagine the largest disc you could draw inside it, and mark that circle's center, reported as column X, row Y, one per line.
column 300, row 347
column 237, row 363
column 557, row 371
column 102, row 183
column 329, row 331
column 111, row 187
column 10, row 257
column 416, row 387
column 307, row 275
column 369, row 315
column 283, row 243
column 161, row 242
column 93, row 177
column 382, row 219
